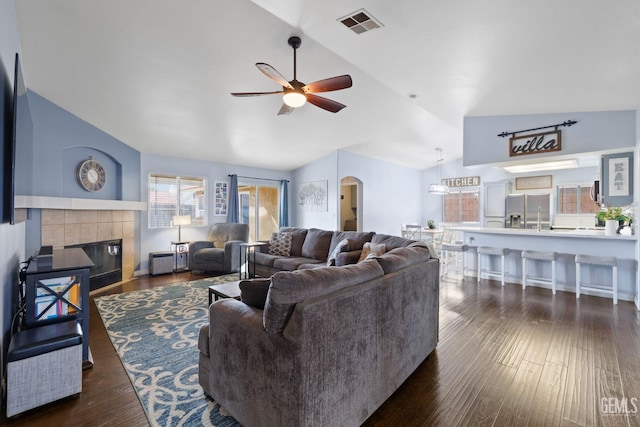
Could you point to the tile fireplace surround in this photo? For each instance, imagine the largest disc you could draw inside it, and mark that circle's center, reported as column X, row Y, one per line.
column 63, row 227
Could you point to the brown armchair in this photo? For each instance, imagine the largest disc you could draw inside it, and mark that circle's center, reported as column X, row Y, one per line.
column 221, row 253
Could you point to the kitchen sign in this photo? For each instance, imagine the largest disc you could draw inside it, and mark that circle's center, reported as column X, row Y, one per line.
column 534, row 144
column 467, row 181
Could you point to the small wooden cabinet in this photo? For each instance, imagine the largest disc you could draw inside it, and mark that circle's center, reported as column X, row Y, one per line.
column 57, row 290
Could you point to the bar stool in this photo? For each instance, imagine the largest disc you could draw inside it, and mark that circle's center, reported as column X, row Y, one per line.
column 456, row 251
column 539, row 256
column 607, row 261
column 490, row 251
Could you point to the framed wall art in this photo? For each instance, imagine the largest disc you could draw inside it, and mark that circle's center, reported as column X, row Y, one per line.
column 220, row 198
column 313, row 196
column 534, row 182
column 616, row 174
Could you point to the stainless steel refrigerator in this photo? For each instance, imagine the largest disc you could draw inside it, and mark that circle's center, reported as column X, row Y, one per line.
column 515, row 211
column 523, row 211
column 538, row 209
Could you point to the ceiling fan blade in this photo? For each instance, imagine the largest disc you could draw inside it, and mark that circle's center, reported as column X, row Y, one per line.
column 285, row 110
column 325, row 103
column 327, row 85
column 255, row 93
column 273, row 74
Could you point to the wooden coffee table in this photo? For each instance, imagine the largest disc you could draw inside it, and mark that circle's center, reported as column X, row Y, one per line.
column 224, row 290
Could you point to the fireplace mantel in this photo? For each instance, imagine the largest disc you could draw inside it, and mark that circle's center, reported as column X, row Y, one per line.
column 43, row 202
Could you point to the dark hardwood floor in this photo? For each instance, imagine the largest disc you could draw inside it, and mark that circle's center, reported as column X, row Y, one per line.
column 506, row 357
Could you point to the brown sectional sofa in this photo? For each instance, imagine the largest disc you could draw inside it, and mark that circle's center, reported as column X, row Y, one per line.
column 330, row 344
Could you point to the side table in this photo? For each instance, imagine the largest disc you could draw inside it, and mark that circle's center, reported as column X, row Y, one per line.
column 247, row 249
column 180, row 250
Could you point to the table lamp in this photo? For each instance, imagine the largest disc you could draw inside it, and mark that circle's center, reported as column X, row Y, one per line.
column 181, row 220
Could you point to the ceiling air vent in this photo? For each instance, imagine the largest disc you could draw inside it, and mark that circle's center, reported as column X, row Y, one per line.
column 360, row 21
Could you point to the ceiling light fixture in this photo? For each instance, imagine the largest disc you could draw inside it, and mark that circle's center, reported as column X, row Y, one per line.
column 439, row 188
column 544, row 166
column 294, row 99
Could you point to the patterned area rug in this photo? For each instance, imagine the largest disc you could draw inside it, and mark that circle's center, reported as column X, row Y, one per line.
column 155, row 333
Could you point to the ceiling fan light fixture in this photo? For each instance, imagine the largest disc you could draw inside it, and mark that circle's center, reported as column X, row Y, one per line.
column 294, row 99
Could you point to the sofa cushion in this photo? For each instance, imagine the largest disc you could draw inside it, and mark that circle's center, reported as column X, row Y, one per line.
column 358, row 239
column 371, row 250
column 308, row 266
column 292, row 263
column 391, row 242
column 316, row 244
column 402, row 257
column 254, row 292
column 297, row 239
column 267, row 260
column 224, row 232
column 342, row 246
column 291, row 287
column 280, row 243
column 346, row 258
column 210, row 255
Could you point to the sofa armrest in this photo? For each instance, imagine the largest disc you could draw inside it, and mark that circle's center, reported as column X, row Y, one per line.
column 232, row 255
column 248, row 367
column 263, row 248
column 196, row 246
column 346, row 258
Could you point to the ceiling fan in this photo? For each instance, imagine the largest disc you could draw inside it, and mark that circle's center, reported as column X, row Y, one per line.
column 296, row 94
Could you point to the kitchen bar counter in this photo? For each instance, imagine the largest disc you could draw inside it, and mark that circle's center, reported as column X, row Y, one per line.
column 567, row 243
column 572, row 233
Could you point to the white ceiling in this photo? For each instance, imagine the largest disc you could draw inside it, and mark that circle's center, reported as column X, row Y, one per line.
column 157, row 74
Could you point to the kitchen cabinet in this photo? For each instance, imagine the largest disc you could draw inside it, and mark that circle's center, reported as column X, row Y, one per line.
column 495, row 194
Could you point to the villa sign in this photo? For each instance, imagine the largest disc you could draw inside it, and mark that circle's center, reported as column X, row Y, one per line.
column 467, row 181
column 534, row 144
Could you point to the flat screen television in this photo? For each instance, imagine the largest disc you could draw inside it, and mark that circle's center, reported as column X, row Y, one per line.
column 21, row 155
column 6, row 108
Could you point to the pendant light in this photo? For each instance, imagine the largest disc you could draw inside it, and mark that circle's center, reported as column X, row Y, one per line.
column 439, row 188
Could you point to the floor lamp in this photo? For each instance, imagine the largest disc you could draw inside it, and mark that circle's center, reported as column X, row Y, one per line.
column 181, row 220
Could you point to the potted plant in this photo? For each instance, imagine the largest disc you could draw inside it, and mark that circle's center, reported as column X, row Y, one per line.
column 431, row 224
column 612, row 217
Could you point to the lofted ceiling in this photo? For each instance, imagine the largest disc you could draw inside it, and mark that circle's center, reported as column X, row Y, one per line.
column 158, row 74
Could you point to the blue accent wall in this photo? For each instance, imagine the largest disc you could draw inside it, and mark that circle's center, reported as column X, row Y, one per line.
column 62, row 141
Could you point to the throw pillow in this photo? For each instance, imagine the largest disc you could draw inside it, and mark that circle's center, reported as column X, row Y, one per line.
column 371, row 250
column 280, row 244
column 254, row 292
column 342, row 246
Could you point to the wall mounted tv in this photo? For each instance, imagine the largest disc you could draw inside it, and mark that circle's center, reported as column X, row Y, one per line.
column 22, row 146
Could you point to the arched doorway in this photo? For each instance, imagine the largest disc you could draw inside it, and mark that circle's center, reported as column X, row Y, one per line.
column 350, row 204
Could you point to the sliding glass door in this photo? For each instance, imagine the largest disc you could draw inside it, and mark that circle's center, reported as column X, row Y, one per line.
column 259, row 209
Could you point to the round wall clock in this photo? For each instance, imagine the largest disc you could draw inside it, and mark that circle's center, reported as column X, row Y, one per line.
column 92, row 175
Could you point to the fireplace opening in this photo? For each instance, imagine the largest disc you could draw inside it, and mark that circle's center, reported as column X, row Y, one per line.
column 107, row 259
